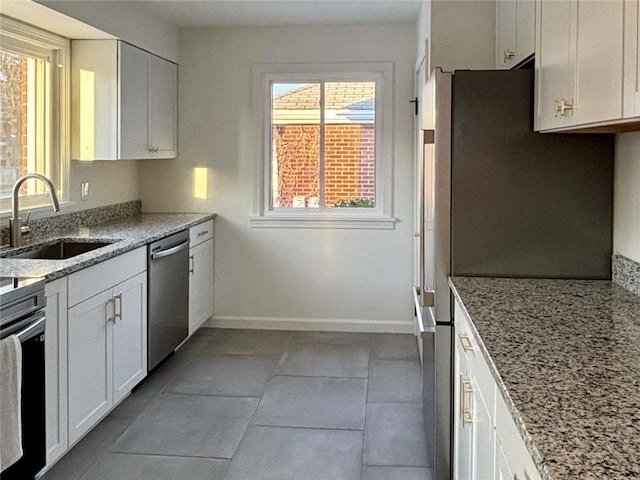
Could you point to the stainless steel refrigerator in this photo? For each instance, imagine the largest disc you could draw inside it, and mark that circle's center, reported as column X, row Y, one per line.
column 497, row 199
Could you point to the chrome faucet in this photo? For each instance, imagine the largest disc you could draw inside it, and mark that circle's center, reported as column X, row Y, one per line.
column 16, row 229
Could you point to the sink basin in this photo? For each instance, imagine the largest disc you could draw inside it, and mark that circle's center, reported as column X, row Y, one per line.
column 60, row 250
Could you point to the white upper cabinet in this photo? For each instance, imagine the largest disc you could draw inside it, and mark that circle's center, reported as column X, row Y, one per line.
column 163, row 107
column 515, row 22
column 599, row 61
column 555, row 62
column 631, row 96
column 124, row 102
column 134, row 103
column 579, row 64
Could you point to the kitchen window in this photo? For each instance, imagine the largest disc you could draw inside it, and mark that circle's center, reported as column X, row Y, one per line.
column 33, row 121
column 326, row 154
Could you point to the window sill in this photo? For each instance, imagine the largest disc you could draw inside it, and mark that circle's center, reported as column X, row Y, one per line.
column 335, row 221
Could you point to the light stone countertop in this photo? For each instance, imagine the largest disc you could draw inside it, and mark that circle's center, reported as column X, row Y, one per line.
column 566, row 357
column 130, row 232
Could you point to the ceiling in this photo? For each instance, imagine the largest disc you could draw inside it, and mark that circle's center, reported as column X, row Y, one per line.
column 269, row 13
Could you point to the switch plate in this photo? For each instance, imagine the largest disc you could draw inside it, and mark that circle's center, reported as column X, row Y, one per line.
column 84, row 190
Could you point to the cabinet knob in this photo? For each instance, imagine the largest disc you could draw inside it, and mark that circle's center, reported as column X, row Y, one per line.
column 153, row 149
column 509, row 55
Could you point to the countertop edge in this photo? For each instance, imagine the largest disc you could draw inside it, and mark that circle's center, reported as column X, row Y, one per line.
column 513, row 410
column 50, row 271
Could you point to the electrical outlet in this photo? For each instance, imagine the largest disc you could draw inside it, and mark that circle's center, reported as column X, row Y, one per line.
column 84, row 190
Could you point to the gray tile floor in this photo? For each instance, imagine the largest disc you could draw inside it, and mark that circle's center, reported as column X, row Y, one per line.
column 266, row 405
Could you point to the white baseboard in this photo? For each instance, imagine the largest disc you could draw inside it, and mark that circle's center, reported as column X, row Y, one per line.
column 316, row 324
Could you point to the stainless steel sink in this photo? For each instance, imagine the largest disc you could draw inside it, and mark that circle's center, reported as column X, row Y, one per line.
column 60, row 249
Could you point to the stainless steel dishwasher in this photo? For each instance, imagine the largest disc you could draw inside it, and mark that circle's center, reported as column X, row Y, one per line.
column 168, row 296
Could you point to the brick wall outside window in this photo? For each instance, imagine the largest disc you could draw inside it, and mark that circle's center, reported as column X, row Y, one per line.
column 349, row 162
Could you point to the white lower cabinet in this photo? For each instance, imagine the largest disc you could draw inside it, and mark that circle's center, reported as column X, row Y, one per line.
column 55, row 334
column 90, row 375
column 130, row 336
column 474, row 431
column 487, row 443
column 503, row 471
column 200, row 275
column 106, row 338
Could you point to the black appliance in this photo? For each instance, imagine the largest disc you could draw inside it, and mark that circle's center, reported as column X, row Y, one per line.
column 22, row 314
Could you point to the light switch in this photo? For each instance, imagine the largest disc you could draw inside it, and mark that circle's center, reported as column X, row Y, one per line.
column 84, row 190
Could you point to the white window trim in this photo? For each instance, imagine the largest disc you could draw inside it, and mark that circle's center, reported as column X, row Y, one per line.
column 44, row 41
column 379, row 217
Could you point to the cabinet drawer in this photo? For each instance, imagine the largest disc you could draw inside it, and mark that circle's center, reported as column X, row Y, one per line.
column 90, row 281
column 515, row 450
column 200, row 233
column 470, row 348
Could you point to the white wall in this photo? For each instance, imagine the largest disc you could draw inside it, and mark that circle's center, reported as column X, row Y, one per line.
column 460, row 34
column 130, row 21
column 109, row 183
column 354, row 277
column 626, row 219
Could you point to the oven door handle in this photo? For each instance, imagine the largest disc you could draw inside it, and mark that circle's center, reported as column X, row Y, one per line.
column 35, row 328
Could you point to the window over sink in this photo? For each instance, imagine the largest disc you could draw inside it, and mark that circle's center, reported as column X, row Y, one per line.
column 326, row 153
column 33, row 119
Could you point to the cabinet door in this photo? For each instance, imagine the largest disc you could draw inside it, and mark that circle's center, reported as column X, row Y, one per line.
column 484, row 434
column 525, row 29
column 517, row 456
column 505, row 34
column 503, row 471
column 599, row 61
column 631, row 60
column 463, row 430
column 555, row 62
column 94, row 100
column 129, row 335
column 163, row 107
column 56, row 369
column 89, row 363
column 134, row 102
column 200, row 285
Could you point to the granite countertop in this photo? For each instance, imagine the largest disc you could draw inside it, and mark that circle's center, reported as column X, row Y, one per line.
column 129, row 233
column 566, row 357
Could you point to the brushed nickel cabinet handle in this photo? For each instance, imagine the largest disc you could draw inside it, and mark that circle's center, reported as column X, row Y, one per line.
column 509, row 55
column 564, row 106
column 466, row 391
column 560, row 107
column 117, row 306
column 111, row 302
column 465, row 340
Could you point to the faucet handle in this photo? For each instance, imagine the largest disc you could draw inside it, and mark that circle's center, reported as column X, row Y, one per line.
column 25, row 228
